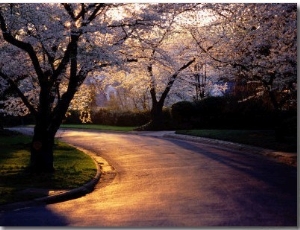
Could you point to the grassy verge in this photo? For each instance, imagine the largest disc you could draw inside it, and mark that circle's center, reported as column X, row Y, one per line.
column 73, row 168
column 259, row 138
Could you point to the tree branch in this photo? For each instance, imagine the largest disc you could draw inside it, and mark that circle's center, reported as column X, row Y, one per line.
column 173, row 78
column 22, row 45
column 19, row 92
column 69, row 9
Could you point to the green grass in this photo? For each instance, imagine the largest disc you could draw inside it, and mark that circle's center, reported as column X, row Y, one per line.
column 73, row 168
column 259, row 138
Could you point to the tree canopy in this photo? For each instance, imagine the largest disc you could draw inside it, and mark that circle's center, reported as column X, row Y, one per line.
column 48, row 50
column 248, row 42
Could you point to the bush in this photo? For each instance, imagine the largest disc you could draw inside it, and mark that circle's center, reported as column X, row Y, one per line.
column 228, row 113
column 130, row 118
column 211, row 106
column 120, row 118
column 182, row 111
column 72, row 118
column 9, row 120
column 253, row 114
column 210, row 113
column 289, row 126
column 286, row 127
column 103, row 117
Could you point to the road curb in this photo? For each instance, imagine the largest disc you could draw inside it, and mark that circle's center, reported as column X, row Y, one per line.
column 279, row 156
column 76, row 192
column 71, row 194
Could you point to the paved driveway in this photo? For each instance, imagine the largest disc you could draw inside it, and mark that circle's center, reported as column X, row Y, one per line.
column 159, row 182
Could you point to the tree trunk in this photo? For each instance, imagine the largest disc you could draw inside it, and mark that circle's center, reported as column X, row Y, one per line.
column 157, row 119
column 41, row 159
column 47, row 124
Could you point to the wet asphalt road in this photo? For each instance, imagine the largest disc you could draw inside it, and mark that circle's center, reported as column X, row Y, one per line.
column 159, row 182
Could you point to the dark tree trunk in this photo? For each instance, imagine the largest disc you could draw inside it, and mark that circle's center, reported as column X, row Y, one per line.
column 47, row 124
column 157, row 119
column 41, row 159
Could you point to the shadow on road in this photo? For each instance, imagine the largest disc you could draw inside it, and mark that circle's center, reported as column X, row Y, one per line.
column 32, row 216
column 257, row 182
column 281, row 176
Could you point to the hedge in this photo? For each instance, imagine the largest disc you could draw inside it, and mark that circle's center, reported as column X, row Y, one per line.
column 228, row 113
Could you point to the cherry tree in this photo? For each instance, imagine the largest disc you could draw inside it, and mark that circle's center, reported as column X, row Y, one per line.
column 163, row 56
column 48, row 50
column 132, row 89
column 255, row 44
column 166, row 55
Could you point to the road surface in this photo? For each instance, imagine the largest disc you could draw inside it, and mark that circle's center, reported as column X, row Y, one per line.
column 159, row 182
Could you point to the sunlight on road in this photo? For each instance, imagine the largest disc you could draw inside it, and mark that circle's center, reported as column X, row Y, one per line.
column 159, row 182
column 135, row 190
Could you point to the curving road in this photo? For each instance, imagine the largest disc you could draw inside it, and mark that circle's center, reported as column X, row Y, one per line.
column 167, row 182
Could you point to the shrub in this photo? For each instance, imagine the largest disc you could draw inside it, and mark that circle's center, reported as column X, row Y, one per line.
column 286, row 126
column 106, row 116
column 130, row 118
column 10, row 120
column 73, row 117
column 227, row 113
column 182, row 111
column 209, row 112
column 210, row 106
column 289, row 126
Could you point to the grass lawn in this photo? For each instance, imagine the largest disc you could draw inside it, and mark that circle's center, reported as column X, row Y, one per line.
column 73, row 168
column 259, row 138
